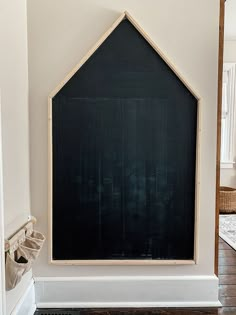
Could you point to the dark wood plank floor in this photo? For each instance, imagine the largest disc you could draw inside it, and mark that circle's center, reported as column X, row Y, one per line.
column 227, row 294
column 227, row 277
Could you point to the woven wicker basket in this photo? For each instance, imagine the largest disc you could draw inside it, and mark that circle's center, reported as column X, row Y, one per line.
column 227, row 200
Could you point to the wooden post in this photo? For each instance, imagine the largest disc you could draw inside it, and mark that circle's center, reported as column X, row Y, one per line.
column 219, row 109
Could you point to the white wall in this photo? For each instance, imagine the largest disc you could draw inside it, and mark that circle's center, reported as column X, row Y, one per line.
column 14, row 102
column 2, row 258
column 230, row 24
column 60, row 33
column 228, row 176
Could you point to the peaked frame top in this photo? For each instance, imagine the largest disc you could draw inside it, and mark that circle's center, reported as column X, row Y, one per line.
column 124, row 15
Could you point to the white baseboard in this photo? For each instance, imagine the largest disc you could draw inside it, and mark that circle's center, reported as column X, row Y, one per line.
column 95, row 292
column 26, row 305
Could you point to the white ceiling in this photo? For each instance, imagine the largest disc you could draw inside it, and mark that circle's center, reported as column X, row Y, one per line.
column 230, row 20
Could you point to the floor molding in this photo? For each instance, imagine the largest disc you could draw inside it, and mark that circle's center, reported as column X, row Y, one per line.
column 129, row 305
column 110, row 292
column 26, row 305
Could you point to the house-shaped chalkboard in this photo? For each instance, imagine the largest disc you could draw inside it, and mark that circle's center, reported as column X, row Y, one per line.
column 123, row 130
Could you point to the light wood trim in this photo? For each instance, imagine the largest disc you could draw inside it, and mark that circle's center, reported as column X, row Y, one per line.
column 87, row 56
column 197, row 182
column 50, row 175
column 219, row 110
column 122, row 262
column 160, row 53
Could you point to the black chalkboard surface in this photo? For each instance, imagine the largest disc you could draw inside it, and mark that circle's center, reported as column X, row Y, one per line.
column 124, row 154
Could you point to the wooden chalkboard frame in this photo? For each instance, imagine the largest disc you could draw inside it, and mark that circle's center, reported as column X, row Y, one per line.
column 193, row 261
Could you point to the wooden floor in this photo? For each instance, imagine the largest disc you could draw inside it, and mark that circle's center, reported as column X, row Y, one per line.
column 227, row 277
column 227, row 294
